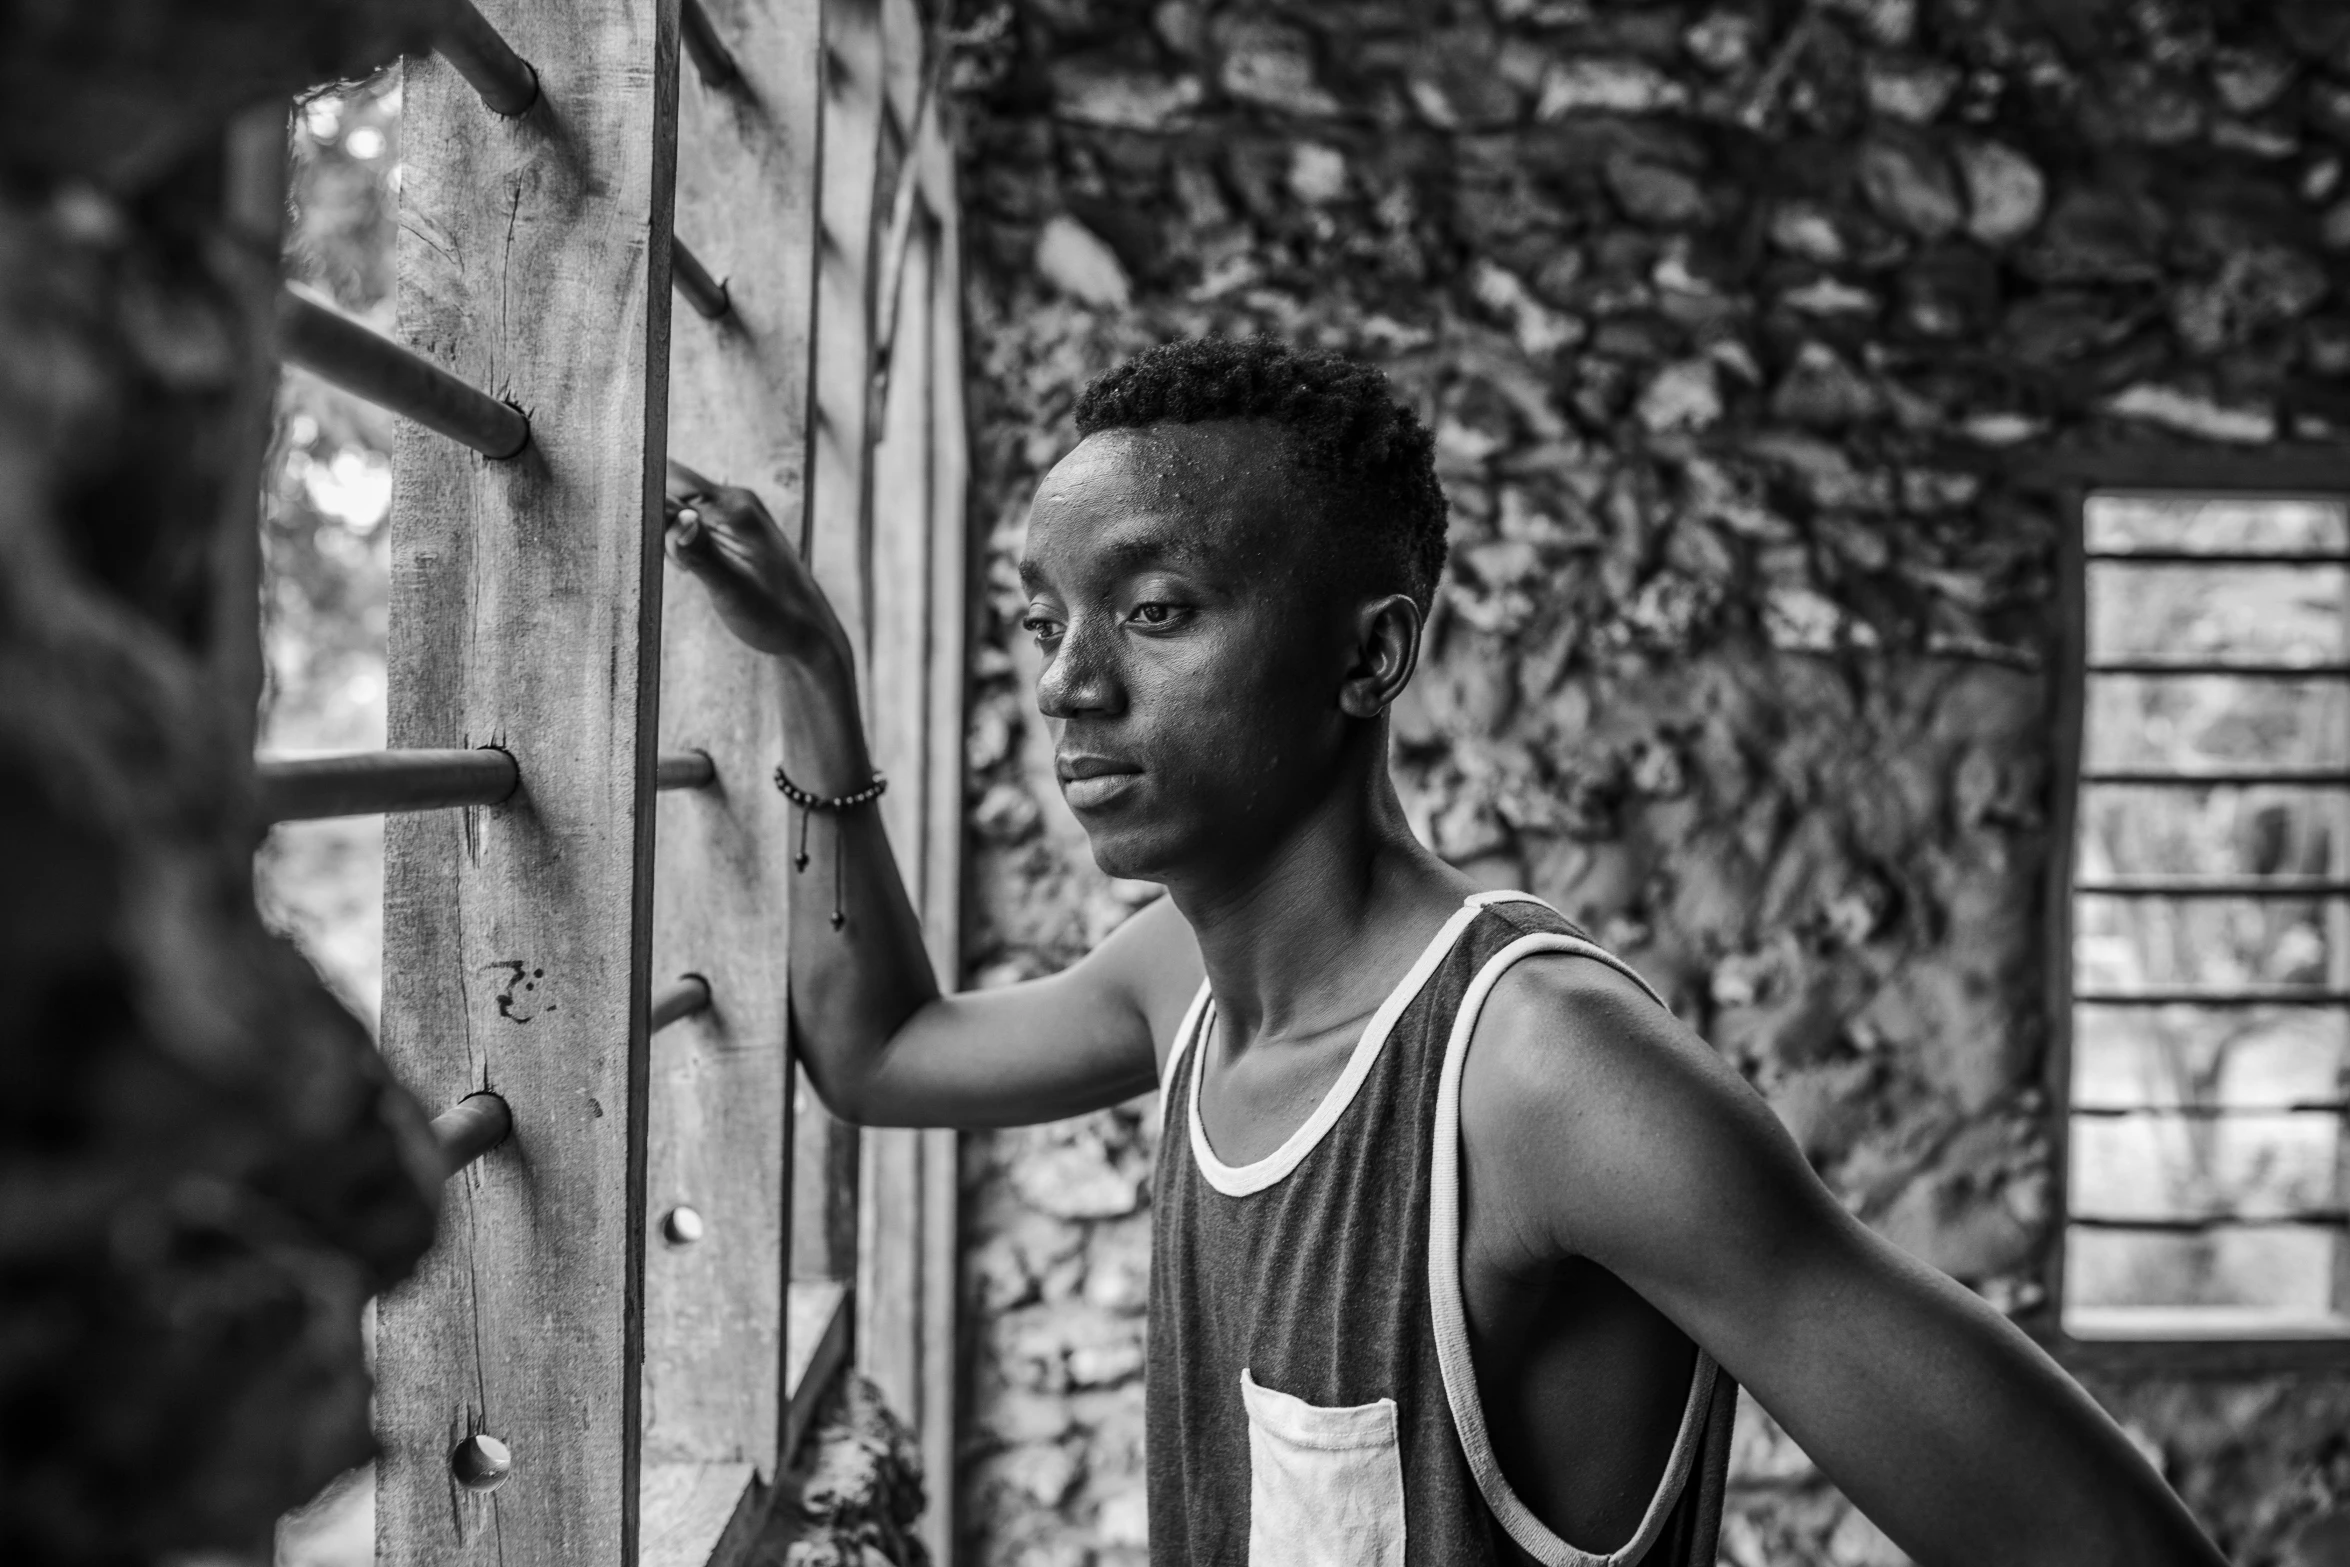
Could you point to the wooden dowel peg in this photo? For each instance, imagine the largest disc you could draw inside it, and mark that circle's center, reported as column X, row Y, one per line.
column 681, row 1000
column 470, row 1128
column 508, row 83
column 685, row 770
column 690, row 278
column 712, row 59
column 369, row 783
column 321, row 339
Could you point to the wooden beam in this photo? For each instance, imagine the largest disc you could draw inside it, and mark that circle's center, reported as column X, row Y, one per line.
column 942, row 875
column 889, row 1249
column 909, row 1258
column 2286, row 471
column 820, row 1330
column 824, row 1218
column 717, row 1320
column 533, row 262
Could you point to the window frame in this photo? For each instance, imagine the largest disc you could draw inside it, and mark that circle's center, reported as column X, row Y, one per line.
column 2069, row 479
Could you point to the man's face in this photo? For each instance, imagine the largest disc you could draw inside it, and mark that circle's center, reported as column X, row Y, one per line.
column 1192, row 661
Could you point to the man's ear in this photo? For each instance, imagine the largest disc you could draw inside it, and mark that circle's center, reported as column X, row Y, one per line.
column 1386, row 651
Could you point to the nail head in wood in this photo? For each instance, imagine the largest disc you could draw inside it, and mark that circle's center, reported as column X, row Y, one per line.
column 481, row 1462
column 681, row 1226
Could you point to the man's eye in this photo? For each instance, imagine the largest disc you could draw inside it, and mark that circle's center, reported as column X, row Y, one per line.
column 1040, row 628
column 1154, row 614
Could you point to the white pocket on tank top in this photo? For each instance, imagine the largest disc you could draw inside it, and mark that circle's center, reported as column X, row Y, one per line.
column 1325, row 1486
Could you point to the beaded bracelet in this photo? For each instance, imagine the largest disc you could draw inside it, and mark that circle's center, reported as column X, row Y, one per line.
column 811, row 803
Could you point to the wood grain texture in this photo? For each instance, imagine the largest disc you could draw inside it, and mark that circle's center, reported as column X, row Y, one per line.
column 696, row 1513
column 908, row 1255
column 533, row 260
column 819, row 1338
column 720, row 1116
column 889, row 1250
column 824, row 1218
column 942, row 907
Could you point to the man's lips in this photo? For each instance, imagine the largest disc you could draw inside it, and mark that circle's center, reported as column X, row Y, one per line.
column 1072, row 768
column 1089, row 782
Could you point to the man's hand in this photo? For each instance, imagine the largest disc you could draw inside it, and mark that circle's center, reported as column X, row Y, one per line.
column 762, row 589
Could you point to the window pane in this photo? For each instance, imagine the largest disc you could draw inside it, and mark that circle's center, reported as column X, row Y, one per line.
column 2209, row 1055
column 2260, row 614
column 2267, row 830
column 2186, row 522
column 2154, row 1166
column 2124, row 1283
column 2210, row 1112
column 2135, row 944
column 2179, row 724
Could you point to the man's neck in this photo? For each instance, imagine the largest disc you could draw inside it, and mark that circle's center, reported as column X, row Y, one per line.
column 1312, row 935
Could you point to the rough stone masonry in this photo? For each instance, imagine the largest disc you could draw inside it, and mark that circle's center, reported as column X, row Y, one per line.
column 1736, row 323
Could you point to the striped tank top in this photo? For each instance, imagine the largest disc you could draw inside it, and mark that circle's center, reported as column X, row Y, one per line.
column 1310, row 1397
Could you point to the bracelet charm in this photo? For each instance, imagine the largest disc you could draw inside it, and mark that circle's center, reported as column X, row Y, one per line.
column 810, row 803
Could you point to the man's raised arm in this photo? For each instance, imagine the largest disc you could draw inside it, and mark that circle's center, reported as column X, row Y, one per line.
column 1600, row 1123
column 881, row 1044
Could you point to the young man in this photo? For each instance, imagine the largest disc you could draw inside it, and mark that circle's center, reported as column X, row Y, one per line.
column 1459, row 1235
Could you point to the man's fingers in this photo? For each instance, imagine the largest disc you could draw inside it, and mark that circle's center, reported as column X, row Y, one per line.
column 687, row 536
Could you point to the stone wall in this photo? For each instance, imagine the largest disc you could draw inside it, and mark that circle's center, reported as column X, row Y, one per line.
column 1735, row 322
column 204, row 1169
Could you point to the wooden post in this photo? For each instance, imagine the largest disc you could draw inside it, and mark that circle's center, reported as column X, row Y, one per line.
column 942, row 899
column 889, row 1252
column 908, row 1258
column 824, row 1218
column 533, row 260
column 253, row 207
column 715, row 1306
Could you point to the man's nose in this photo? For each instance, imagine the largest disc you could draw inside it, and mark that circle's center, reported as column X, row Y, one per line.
column 1081, row 679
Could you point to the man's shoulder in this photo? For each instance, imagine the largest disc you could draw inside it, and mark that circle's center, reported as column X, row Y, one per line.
column 1553, row 1017
column 1574, row 1070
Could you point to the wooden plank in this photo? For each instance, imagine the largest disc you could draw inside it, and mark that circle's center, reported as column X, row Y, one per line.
column 909, row 1255
column 853, row 87
column 2289, row 471
column 889, row 1251
column 697, row 1513
column 2067, row 731
column 253, row 211
column 533, row 259
column 824, row 1207
column 720, row 1117
column 818, row 1347
column 942, row 905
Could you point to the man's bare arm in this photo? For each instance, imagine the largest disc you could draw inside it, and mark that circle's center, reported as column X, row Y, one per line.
column 1605, row 1129
column 881, row 1043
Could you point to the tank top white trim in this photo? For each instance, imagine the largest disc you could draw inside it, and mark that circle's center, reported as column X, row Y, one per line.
column 1444, row 1218
column 1444, row 1287
column 1243, row 1180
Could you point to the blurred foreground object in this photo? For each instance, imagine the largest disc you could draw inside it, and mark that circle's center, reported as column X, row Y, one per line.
column 204, row 1168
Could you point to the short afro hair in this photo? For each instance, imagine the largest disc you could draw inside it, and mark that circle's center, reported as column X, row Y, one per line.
column 1345, row 426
